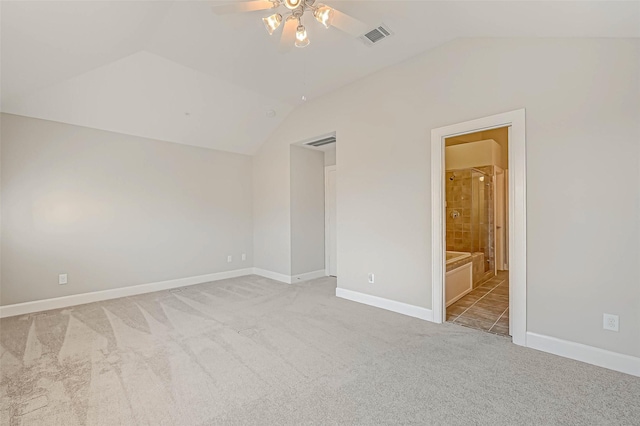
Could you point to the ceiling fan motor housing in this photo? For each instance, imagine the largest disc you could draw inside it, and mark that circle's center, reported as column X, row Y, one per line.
column 301, row 9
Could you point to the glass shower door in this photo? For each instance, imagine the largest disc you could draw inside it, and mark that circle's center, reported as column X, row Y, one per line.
column 482, row 217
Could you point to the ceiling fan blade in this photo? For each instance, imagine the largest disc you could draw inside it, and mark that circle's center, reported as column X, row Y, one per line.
column 243, row 6
column 348, row 24
column 288, row 37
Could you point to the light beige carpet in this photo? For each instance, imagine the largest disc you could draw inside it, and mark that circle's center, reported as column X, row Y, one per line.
column 253, row 351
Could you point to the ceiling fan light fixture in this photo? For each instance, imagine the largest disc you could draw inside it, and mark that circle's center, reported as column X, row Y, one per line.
column 271, row 23
column 292, row 4
column 301, row 37
column 324, row 15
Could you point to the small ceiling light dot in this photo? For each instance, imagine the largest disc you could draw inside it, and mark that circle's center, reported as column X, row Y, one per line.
column 304, row 98
column 271, row 113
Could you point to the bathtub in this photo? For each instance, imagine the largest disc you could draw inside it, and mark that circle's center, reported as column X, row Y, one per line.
column 454, row 256
column 459, row 278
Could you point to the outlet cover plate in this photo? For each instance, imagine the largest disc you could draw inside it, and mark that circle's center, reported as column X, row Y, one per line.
column 610, row 322
column 62, row 279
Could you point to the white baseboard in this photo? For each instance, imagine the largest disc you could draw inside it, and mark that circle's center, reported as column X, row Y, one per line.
column 288, row 279
column 389, row 305
column 308, row 276
column 97, row 296
column 577, row 351
column 272, row 275
column 591, row 355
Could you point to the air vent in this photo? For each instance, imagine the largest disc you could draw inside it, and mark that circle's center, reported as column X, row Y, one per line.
column 376, row 35
column 322, row 142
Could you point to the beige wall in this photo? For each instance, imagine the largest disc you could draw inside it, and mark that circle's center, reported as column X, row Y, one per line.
column 307, row 210
column 582, row 106
column 500, row 135
column 112, row 210
column 473, row 154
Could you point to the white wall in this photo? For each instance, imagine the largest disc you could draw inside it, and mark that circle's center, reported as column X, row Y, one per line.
column 272, row 209
column 146, row 80
column 330, row 156
column 581, row 97
column 307, row 210
column 112, row 210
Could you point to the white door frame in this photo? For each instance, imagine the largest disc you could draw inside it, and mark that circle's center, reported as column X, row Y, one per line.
column 327, row 250
column 517, row 215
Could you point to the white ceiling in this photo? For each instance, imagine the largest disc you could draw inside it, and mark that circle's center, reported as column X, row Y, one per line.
column 175, row 71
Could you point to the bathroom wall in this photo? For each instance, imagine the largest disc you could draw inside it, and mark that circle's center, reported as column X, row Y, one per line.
column 500, row 135
column 458, row 198
column 474, row 154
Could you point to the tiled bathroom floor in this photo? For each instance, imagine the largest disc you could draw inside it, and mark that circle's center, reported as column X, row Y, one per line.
column 485, row 308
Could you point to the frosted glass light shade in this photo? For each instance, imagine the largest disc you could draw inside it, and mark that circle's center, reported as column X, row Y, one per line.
column 301, row 37
column 324, row 15
column 271, row 23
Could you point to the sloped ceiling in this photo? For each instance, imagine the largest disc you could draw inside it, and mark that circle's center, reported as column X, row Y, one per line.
column 175, row 71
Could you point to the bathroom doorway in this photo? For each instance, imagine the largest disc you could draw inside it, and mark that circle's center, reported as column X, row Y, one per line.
column 485, row 237
column 475, row 229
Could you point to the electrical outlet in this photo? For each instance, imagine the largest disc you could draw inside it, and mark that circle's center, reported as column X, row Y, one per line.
column 244, row 257
column 62, row 279
column 610, row 322
column 229, row 259
column 372, row 278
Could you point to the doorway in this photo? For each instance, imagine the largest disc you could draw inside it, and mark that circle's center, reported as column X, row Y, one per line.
column 514, row 245
column 476, row 283
column 313, row 208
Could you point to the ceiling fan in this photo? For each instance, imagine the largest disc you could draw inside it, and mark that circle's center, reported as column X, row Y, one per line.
column 294, row 32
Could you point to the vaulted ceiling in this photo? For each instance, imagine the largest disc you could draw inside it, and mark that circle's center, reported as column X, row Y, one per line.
column 172, row 70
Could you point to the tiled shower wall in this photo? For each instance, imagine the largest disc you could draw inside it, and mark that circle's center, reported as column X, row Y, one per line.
column 458, row 198
column 469, row 214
